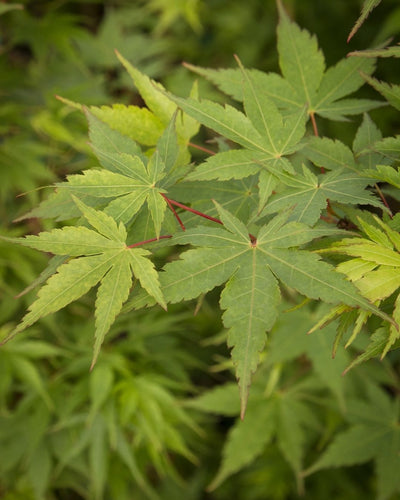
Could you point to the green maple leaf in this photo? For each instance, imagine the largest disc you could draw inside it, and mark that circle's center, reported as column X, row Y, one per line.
column 264, row 134
column 375, row 270
column 373, row 435
column 304, row 81
column 128, row 180
column 96, row 256
column 284, row 417
column 307, row 193
column 251, row 267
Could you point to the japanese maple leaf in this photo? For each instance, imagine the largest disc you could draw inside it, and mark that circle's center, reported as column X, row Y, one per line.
column 96, row 256
column 304, row 80
column 252, row 267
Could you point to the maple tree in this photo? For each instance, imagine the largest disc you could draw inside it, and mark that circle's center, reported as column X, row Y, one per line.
column 260, row 215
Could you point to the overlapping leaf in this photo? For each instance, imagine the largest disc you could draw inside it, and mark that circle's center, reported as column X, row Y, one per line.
column 101, row 256
column 375, row 269
column 250, row 268
column 265, row 135
column 308, row 193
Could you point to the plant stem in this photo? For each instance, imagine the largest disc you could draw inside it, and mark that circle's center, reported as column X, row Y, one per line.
column 382, row 197
column 201, row 148
column 174, row 212
column 140, row 243
column 193, row 211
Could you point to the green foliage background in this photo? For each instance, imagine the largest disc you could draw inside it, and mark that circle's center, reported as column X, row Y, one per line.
column 158, row 416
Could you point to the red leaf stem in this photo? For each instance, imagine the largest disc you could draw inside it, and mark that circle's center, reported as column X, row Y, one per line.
column 201, row 148
column 193, row 211
column 174, row 212
column 140, row 243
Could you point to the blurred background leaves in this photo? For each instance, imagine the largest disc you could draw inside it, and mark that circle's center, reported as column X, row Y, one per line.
column 141, row 424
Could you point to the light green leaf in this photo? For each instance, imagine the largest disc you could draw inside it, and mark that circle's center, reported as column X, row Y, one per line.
column 72, row 280
column 106, row 141
column 157, row 206
column 125, row 207
column 385, row 173
column 233, row 164
column 271, row 85
column 227, row 121
column 144, row 270
column 102, row 222
column 72, row 241
column 112, row 293
column 100, row 183
column 379, row 284
column 139, row 124
column 154, row 96
column 378, row 343
column 301, row 62
column 149, row 90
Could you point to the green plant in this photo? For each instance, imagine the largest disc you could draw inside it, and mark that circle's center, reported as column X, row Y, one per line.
column 260, row 214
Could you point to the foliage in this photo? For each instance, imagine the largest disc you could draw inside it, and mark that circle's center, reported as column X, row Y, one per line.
column 276, row 233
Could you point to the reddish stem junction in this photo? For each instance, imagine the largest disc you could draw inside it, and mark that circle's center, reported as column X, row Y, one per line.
column 172, row 204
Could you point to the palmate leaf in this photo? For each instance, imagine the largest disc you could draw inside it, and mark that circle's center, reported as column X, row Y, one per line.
column 264, row 134
column 373, row 435
column 307, row 193
column 251, row 267
column 305, row 83
column 101, row 257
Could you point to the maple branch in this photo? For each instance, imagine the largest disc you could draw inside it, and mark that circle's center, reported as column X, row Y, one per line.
column 140, row 243
column 201, row 148
column 193, row 211
column 174, row 212
column 382, row 197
